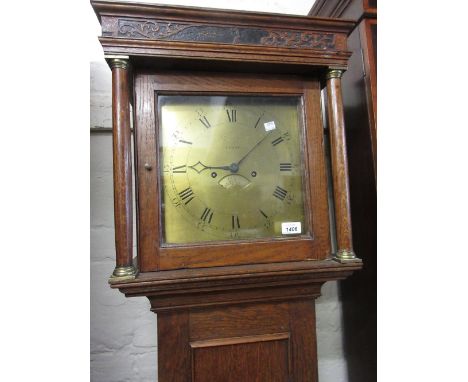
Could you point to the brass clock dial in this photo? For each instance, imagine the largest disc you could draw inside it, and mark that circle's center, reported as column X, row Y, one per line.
column 231, row 167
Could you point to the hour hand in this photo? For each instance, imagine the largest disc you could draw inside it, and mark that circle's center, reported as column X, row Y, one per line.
column 199, row 167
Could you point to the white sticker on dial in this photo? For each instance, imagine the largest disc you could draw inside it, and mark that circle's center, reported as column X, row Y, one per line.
column 291, row 228
column 269, row 126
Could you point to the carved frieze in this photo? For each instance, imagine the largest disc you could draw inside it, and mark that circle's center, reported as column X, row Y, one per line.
column 171, row 31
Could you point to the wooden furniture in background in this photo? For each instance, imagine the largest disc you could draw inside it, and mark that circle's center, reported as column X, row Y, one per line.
column 239, row 310
column 359, row 84
column 362, row 71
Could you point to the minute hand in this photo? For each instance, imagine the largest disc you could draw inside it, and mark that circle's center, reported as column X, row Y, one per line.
column 253, row 148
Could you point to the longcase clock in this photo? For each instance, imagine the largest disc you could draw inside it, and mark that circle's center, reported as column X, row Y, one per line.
column 233, row 228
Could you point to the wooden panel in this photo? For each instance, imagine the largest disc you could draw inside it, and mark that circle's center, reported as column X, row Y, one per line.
column 147, row 181
column 368, row 35
column 174, row 358
column 350, row 9
column 249, row 359
column 249, row 293
column 303, row 341
column 344, row 9
column 284, row 274
column 241, row 253
column 315, row 166
column 222, row 82
column 256, row 342
column 235, row 321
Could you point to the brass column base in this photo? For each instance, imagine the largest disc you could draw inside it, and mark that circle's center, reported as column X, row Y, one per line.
column 346, row 256
column 123, row 273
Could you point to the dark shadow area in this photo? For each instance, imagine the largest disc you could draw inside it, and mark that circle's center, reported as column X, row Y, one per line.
column 359, row 292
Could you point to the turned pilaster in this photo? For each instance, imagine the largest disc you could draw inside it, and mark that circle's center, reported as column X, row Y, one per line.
column 122, row 166
column 339, row 161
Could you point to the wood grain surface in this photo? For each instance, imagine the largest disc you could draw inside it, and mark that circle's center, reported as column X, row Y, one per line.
column 122, row 167
column 248, row 361
column 339, row 164
column 189, row 33
column 236, row 321
column 368, row 38
column 247, row 342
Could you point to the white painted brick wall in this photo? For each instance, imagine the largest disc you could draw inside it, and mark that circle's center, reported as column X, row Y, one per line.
column 123, row 331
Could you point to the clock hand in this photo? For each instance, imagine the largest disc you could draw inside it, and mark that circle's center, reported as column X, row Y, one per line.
column 252, row 149
column 233, row 167
column 199, row 164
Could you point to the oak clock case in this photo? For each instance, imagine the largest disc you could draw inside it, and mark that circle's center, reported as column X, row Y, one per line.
column 231, row 168
column 237, row 170
column 229, row 147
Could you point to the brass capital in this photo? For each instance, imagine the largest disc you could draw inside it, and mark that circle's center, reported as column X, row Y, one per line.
column 346, row 255
column 123, row 273
column 121, row 62
column 334, row 73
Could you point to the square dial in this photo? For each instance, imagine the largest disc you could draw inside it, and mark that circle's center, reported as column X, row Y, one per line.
column 231, row 168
